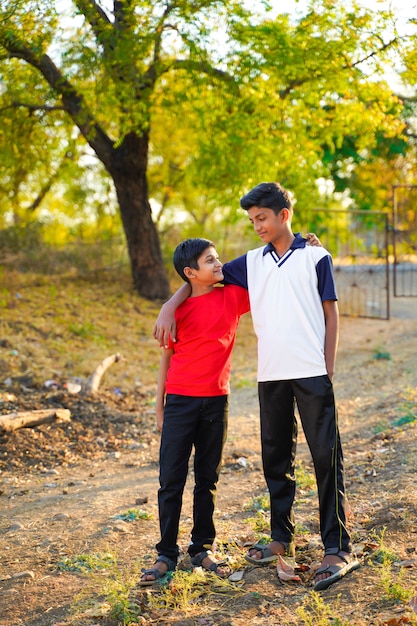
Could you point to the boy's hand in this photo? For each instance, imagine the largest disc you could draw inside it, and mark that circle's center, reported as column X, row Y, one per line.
column 313, row 240
column 159, row 418
column 164, row 327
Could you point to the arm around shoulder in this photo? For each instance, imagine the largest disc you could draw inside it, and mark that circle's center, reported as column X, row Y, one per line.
column 165, row 325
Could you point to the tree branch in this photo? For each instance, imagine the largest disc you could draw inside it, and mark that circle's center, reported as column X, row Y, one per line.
column 384, row 47
column 48, row 185
column 93, row 382
column 97, row 19
column 203, row 67
column 32, row 107
column 347, row 66
column 73, row 103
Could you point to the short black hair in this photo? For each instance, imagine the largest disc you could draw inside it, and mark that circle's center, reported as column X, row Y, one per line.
column 267, row 196
column 188, row 252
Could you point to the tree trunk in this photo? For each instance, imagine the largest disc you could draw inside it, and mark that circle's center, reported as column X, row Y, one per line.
column 126, row 164
column 128, row 169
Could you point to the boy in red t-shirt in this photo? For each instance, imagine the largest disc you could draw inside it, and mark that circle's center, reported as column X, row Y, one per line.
column 192, row 404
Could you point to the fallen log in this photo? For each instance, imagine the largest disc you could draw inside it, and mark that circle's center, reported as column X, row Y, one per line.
column 93, row 383
column 28, row 419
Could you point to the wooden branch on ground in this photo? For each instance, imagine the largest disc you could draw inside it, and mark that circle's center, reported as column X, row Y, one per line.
column 28, row 419
column 93, row 382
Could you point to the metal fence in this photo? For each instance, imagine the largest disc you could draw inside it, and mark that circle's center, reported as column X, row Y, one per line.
column 358, row 242
column 404, row 230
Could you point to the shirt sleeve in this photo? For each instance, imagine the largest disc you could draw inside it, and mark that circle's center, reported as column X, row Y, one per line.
column 326, row 283
column 235, row 272
column 244, row 305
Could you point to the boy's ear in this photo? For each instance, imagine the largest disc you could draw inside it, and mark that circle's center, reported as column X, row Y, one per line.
column 189, row 272
column 285, row 213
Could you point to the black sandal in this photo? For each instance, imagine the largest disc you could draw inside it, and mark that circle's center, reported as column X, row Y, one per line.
column 154, row 571
column 337, row 571
column 197, row 561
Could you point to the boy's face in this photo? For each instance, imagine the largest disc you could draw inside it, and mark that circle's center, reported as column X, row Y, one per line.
column 269, row 226
column 209, row 268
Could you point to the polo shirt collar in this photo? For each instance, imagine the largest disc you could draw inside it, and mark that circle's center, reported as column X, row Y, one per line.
column 299, row 242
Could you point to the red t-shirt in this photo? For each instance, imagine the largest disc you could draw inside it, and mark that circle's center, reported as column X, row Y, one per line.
column 206, row 331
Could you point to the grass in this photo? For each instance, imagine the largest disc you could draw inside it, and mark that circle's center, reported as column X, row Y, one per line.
column 258, row 503
column 407, row 410
column 118, row 596
column 315, row 611
column 111, row 596
column 306, row 480
column 393, row 587
column 133, row 514
column 87, row 562
column 260, row 525
column 392, row 581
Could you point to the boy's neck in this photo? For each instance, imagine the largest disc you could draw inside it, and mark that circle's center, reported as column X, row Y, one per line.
column 284, row 243
column 200, row 290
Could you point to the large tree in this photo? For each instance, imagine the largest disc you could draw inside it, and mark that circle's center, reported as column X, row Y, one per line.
column 260, row 96
column 104, row 76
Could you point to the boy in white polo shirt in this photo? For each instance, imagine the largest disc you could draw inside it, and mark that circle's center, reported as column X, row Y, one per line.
column 295, row 316
column 294, row 310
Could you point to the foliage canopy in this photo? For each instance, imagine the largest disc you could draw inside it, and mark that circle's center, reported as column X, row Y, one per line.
column 191, row 101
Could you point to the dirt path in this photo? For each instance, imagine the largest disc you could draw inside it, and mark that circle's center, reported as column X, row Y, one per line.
column 53, row 511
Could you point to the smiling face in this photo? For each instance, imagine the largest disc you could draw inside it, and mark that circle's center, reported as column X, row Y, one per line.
column 209, row 270
column 271, row 227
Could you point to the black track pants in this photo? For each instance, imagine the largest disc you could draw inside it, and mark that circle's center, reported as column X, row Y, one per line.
column 316, row 406
column 190, row 422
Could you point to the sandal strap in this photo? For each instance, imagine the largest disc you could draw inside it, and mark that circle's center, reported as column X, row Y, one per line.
column 199, row 558
column 168, row 562
column 341, row 554
column 152, row 571
column 263, row 549
column 267, row 552
column 197, row 561
column 213, row 567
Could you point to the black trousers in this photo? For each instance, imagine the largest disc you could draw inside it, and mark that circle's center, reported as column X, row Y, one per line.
column 316, row 406
column 202, row 423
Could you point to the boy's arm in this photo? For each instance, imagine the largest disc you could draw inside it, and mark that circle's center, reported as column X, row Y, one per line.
column 160, row 394
column 331, row 315
column 165, row 323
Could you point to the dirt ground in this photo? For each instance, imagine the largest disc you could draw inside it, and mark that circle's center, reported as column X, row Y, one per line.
column 66, row 490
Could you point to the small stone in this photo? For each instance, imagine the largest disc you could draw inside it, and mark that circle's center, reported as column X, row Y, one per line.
column 25, row 574
column 16, row 526
column 121, row 527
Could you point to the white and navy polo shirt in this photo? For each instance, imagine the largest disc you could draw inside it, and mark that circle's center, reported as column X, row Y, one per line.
column 286, row 295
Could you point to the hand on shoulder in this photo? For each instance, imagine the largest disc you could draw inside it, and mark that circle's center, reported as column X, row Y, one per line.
column 313, row 240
